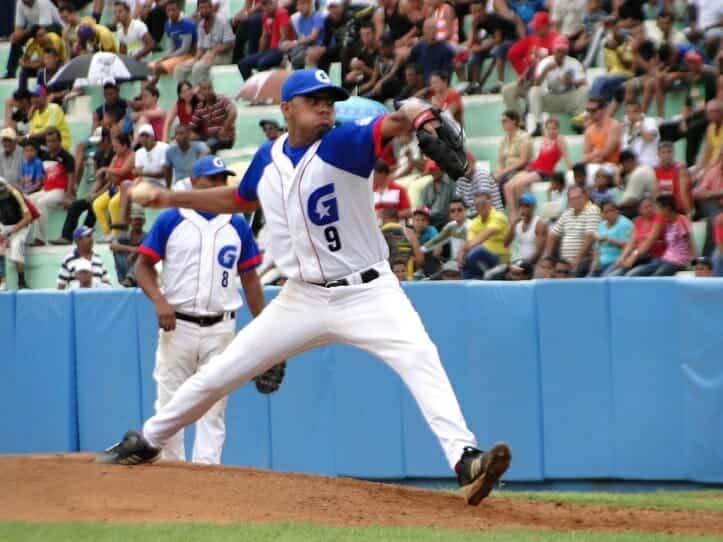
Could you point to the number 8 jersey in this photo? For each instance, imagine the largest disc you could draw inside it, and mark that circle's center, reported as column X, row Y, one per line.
column 318, row 202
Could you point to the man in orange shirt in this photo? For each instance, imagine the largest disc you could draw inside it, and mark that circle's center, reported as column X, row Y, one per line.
column 602, row 135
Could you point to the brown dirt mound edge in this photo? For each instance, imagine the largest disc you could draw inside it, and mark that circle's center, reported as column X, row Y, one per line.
column 60, row 488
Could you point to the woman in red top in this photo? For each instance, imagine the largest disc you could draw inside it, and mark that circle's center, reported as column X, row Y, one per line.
column 445, row 98
column 119, row 171
column 718, row 238
column 646, row 242
column 552, row 147
column 182, row 109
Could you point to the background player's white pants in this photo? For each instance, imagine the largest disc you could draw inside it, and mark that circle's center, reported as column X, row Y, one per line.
column 376, row 317
column 181, row 353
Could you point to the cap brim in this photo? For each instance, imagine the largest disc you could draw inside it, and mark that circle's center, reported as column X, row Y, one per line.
column 218, row 171
column 338, row 94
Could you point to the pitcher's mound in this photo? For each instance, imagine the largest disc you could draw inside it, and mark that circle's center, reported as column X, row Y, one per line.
column 52, row 488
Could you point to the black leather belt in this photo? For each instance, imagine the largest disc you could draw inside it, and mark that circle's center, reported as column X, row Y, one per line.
column 206, row 321
column 366, row 276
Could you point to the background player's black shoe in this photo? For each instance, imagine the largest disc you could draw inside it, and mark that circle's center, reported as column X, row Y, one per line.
column 478, row 472
column 132, row 450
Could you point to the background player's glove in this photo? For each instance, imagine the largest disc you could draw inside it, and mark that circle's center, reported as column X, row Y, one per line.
column 270, row 381
column 445, row 146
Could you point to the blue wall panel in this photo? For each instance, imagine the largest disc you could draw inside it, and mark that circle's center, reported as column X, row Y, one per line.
column 9, row 423
column 503, row 373
column 109, row 382
column 43, row 376
column 576, row 384
column 647, row 388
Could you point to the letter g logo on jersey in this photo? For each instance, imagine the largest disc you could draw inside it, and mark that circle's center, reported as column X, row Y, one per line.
column 322, row 207
column 227, row 256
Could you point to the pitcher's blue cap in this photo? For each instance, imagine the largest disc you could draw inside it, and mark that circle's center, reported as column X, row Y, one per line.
column 303, row 82
column 210, row 165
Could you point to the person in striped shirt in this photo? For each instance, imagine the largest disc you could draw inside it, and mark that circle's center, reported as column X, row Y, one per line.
column 478, row 180
column 83, row 237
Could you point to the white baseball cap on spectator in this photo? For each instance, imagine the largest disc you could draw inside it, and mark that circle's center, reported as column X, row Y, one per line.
column 146, row 129
column 334, row 2
column 8, row 133
column 82, row 264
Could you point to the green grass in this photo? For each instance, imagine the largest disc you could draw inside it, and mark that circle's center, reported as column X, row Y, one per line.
column 663, row 500
column 90, row 532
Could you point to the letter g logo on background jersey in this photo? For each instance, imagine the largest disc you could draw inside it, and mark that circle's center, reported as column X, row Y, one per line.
column 227, row 256
column 322, row 207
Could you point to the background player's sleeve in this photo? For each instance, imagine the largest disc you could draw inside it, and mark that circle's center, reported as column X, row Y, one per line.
column 246, row 190
column 154, row 244
column 250, row 256
column 354, row 146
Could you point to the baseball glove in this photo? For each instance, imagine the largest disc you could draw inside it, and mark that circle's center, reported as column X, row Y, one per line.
column 270, row 381
column 445, row 146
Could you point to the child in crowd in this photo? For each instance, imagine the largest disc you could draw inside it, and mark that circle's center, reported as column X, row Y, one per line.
column 32, row 174
column 556, row 197
column 604, row 188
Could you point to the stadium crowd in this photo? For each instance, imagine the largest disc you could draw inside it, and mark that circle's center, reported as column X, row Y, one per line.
column 625, row 208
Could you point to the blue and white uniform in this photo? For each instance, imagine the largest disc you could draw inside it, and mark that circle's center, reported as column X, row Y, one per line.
column 323, row 232
column 202, row 254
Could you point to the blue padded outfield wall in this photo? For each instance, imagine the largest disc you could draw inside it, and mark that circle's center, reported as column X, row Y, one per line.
column 612, row 378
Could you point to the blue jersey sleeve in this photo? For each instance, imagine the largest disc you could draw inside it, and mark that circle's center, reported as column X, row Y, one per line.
column 154, row 244
column 246, row 190
column 250, row 256
column 354, row 146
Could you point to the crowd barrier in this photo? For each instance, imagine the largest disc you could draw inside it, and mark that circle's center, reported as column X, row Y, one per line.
column 612, row 378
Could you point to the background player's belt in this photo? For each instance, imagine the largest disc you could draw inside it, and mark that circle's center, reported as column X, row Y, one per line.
column 205, row 321
column 366, row 276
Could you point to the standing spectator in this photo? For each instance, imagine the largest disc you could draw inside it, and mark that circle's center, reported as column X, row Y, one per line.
column 437, row 194
column 308, row 27
column 181, row 155
column 182, row 34
column 613, row 234
column 385, row 82
column 431, row 54
column 645, row 242
column 214, row 118
column 83, row 238
column 182, row 110
column 46, row 117
column 277, row 29
column 29, row 13
column 679, row 244
column 601, row 141
column 59, row 186
column 361, row 66
column 125, row 251
column 32, row 174
column 529, row 231
column 638, row 182
column 485, row 247
column 11, row 156
column 15, row 220
column 32, row 59
column 672, row 178
column 133, row 36
column 214, row 46
column 478, row 180
column 575, row 231
column 514, row 149
column 388, row 194
column 640, row 134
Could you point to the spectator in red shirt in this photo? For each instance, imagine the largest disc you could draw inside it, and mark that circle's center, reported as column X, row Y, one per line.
column 388, row 194
column 447, row 99
column 646, row 242
column 524, row 53
column 718, row 254
column 214, row 118
column 672, row 178
column 277, row 28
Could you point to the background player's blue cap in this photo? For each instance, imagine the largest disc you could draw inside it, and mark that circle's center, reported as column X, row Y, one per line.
column 81, row 231
column 303, row 82
column 210, row 165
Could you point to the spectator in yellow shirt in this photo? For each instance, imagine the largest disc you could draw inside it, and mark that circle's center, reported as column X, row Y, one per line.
column 485, row 247
column 94, row 38
column 32, row 59
column 45, row 115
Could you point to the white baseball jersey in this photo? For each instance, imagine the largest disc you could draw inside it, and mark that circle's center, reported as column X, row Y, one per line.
column 200, row 253
column 318, row 202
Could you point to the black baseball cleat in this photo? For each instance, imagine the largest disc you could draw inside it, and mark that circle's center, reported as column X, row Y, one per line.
column 132, row 450
column 478, row 472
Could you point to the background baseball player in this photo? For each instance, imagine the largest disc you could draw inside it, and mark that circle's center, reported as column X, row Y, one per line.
column 313, row 184
column 198, row 299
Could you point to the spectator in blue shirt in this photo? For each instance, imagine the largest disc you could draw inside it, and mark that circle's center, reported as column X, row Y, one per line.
column 182, row 34
column 612, row 235
column 309, row 27
column 181, row 155
column 430, row 54
column 32, row 174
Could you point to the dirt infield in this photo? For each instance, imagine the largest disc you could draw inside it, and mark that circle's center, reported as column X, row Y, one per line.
column 57, row 488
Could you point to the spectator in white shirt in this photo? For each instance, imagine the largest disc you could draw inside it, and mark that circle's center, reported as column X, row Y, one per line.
column 133, row 36
column 640, row 134
column 29, row 13
column 84, row 276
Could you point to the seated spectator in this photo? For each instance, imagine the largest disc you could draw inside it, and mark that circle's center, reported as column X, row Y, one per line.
column 214, row 118
column 713, row 143
column 618, row 54
column 528, row 231
column 646, row 65
column 125, row 249
column 528, row 50
column 330, row 50
column 484, row 248
column 59, row 186
column 69, row 16
column 132, row 34
column 445, row 98
column 613, row 234
column 553, row 146
column 402, row 243
column 29, row 14
column 546, row 268
column 363, row 63
column 46, row 117
column 437, row 194
column 638, row 181
column 450, row 271
column 49, row 68
column 32, row 59
column 556, row 197
column 431, row 54
column 679, row 245
column 388, row 194
column 409, row 158
column 452, row 235
column 32, row 174
column 399, row 268
column 413, row 83
column 309, row 27
column 517, row 270
column 271, row 128
column 513, row 151
column 95, row 38
column 214, row 46
column 645, row 242
column 150, row 112
column 478, row 180
column 445, row 20
column 119, row 171
column 567, row 18
column 277, row 29
column 17, row 111
column 15, row 223
column 101, row 159
column 563, row 270
column 588, row 42
column 84, row 276
column 246, row 24
column 662, row 30
column 672, row 178
column 153, row 14
column 385, row 82
column 182, row 110
column 703, row 267
column 575, row 232
column 181, row 155
column 67, row 275
column 604, row 187
column 10, row 158
column 183, row 36
column 422, row 227
column 718, row 239
column 708, row 193
column 601, row 140
column 639, row 134
column 399, row 18
column 706, row 25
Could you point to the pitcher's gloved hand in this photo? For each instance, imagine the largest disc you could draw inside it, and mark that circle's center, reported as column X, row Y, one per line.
column 270, row 381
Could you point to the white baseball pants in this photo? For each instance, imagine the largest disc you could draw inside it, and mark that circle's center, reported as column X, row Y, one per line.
column 182, row 353
column 376, row 317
